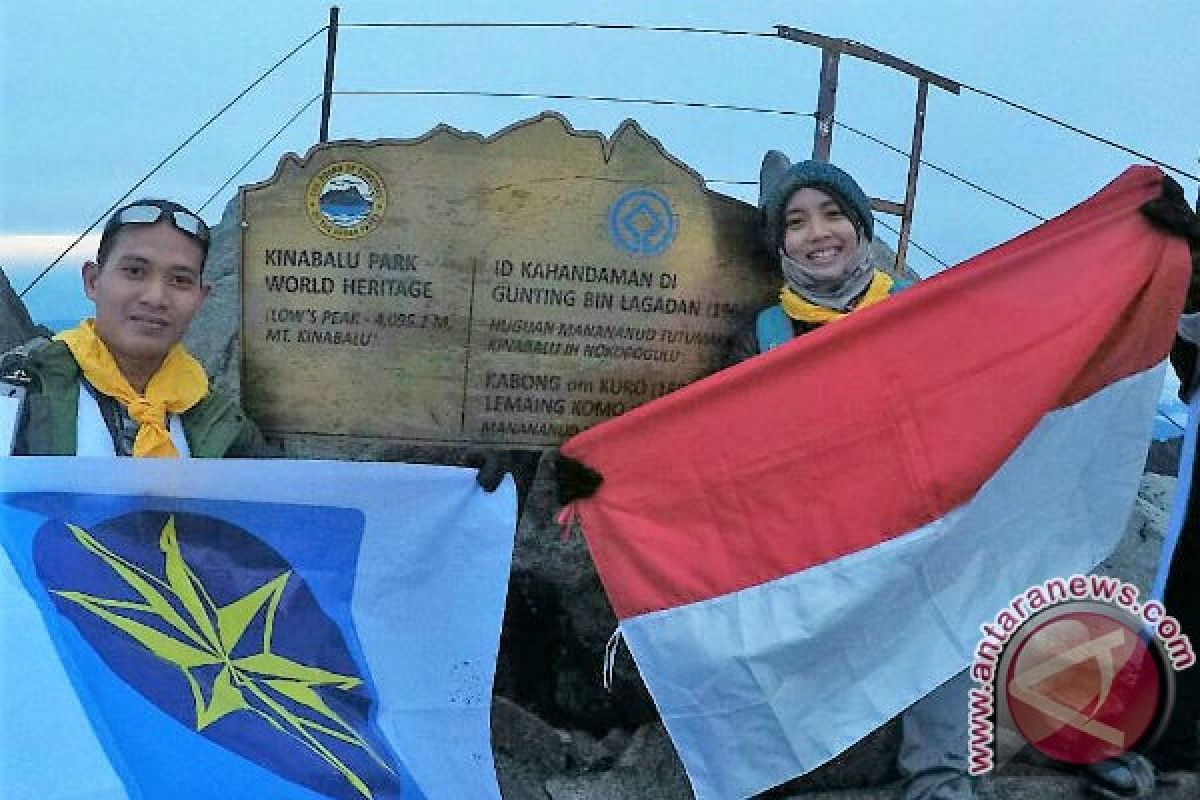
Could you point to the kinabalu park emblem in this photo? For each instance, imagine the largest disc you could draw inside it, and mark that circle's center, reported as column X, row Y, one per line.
column 346, row 199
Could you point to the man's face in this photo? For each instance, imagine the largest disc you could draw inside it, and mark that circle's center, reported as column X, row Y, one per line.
column 147, row 291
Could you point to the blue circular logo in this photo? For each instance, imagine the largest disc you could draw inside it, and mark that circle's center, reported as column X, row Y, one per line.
column 641, row 222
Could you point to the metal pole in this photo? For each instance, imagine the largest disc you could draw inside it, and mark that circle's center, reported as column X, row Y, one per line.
column 858, row 50
column 826, row 101
column 914, row 165
column 831, row 49
column 330, row 55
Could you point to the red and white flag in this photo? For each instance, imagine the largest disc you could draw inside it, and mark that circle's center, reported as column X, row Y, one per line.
column 804, row 544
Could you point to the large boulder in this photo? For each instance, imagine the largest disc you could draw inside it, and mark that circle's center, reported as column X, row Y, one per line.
column 557, row 625
column 213, row 335
column 16, row 326
column 1136, row 557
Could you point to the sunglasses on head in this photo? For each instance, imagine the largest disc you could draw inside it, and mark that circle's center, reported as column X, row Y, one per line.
column 146, row 214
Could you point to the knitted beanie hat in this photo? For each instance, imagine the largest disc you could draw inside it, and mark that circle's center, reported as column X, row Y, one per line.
column 779, row 178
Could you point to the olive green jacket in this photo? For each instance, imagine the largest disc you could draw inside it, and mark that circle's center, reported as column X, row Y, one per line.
column 216, row 427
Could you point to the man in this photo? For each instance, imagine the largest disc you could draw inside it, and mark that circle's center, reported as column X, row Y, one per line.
column 122, row 383
column 1179, row 571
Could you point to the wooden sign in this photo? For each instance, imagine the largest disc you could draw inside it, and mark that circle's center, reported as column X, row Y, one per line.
column 508, row 290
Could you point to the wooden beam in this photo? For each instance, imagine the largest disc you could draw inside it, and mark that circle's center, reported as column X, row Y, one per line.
column 859, row 50
column 330, row 56
column 914, row 166
column 887, row 207
column 826, row 103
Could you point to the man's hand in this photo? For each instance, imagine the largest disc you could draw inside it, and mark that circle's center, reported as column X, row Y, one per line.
column 1170, row 213
column 491, row 467
column 576, row 480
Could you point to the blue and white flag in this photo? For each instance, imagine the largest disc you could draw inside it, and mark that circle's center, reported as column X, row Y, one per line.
column 248, row 629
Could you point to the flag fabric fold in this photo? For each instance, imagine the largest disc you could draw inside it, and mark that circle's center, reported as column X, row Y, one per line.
column 248, row 629
column 802, row 545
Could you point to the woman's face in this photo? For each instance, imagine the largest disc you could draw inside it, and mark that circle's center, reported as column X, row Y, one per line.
column 818, row 234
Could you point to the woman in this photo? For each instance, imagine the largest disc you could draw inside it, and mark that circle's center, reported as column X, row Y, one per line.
column 818, row 220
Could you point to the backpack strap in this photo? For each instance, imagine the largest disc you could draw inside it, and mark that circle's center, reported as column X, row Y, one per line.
column 15, row 380
column 772, row 328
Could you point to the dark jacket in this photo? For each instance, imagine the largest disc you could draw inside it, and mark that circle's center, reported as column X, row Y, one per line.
column 216, row 427
column 1178, row 745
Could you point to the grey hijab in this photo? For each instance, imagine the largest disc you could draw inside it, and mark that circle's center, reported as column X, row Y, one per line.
column 837, row 293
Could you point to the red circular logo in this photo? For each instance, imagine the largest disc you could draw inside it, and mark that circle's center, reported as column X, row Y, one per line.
column 1084, row 685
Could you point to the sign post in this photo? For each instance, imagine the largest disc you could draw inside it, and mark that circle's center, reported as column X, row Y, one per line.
column 511, row 290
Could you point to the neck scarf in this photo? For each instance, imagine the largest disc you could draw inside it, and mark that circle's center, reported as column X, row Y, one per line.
column 800, row 309
column 836, row 293
column 178, row 385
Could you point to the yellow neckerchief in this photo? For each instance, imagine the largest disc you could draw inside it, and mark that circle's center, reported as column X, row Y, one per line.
column 802, row 310
column 178, row 385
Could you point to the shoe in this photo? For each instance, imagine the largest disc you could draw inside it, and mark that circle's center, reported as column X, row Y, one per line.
column 1129, row 776
column 939, row 784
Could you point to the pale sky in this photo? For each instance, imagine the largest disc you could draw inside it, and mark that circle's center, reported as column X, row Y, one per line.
column 94, row 94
